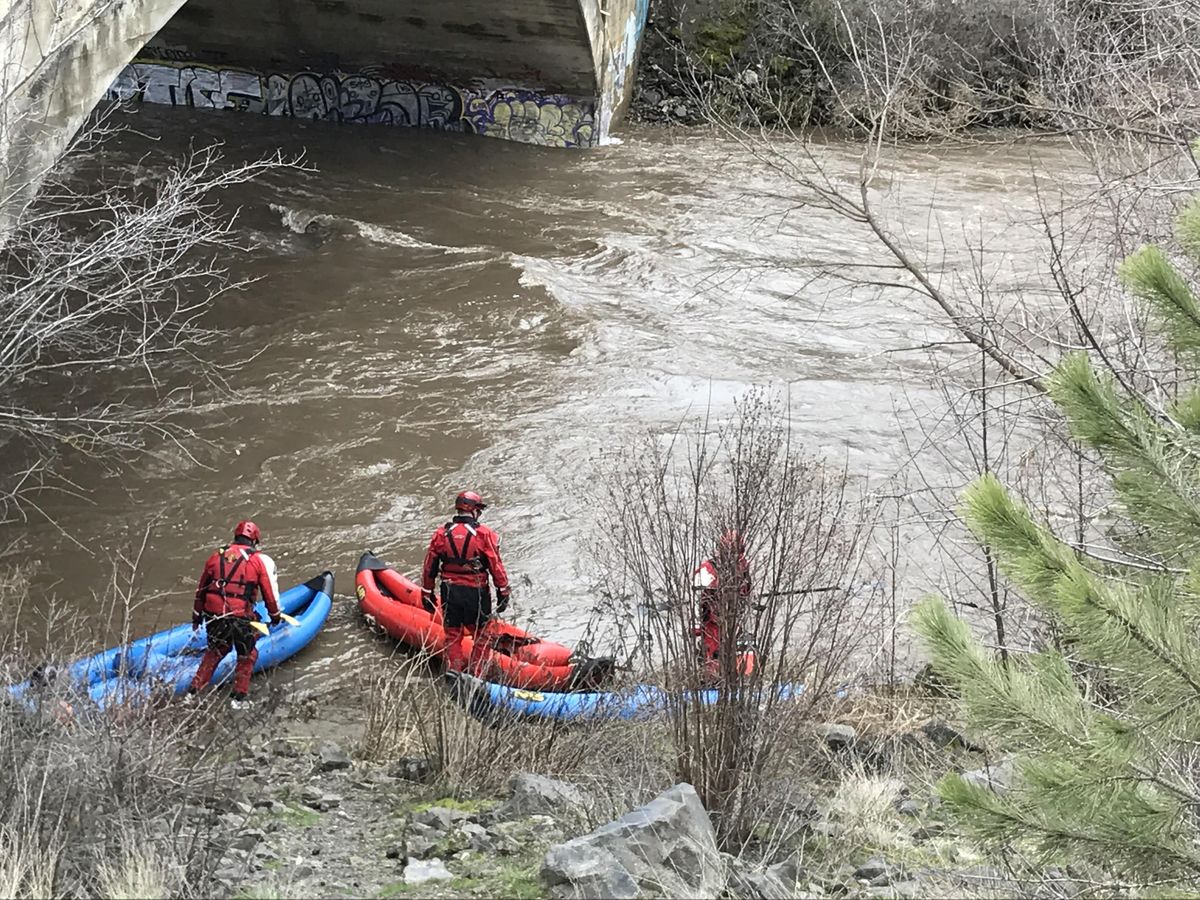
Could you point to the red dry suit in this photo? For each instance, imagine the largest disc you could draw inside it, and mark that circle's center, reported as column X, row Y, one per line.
column 715, row 607
column 232, row 579
column 465, row 553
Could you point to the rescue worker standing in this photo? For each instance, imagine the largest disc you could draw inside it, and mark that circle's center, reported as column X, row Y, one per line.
column 229, row 585
column 724, row 584
column 464, row 553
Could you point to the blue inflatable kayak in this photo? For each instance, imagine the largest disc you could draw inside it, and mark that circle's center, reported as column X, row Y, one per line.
column 168, row 659
column 486, row 700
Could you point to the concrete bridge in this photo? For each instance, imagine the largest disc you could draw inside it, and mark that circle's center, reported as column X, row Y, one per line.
column 551, row 72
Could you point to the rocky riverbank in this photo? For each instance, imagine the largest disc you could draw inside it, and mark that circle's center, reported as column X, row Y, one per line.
column 313, row 816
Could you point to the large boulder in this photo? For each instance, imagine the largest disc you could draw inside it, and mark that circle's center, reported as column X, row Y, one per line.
column 667, row 847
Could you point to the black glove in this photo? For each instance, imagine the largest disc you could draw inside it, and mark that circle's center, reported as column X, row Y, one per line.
column 501, row 601
column 195, row 621
column 276, row 619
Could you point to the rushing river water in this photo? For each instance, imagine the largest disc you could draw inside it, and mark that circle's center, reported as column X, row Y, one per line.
column 438, row 311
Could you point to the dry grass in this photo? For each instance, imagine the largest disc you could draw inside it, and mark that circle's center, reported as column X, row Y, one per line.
column 140, row 869
column 864, row 809
column 409, row 713
column 26, row 868
column 93, row 801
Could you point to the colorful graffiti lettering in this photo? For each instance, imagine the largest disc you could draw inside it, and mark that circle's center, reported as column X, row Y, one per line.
column 511, row 113
column 532, row 118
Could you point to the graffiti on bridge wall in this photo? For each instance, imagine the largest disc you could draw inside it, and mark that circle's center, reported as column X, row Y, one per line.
column 512, row 113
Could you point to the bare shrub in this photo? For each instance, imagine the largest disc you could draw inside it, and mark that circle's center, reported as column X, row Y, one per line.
column 112, row 803
column 935, row 68
column 406, row 712
column 664, row 506
column 114, row 276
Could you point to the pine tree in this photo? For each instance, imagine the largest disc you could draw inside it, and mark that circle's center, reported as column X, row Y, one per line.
column 1106, row 739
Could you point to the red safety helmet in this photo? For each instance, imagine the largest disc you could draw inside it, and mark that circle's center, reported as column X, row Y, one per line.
column 247, row 529
column 731, row 542
column 469, row 501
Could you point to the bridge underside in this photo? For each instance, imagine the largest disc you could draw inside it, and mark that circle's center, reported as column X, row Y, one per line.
column 553, row 72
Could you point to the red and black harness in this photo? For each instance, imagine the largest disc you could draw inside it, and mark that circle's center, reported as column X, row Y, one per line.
column 224, row 584
column 464, row 564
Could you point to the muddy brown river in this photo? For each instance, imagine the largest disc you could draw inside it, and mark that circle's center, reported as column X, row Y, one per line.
column 439, row 311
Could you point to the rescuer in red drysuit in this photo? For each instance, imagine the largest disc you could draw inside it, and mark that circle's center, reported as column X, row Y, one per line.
column 464, row 553
column 232, row 578
column 724, row 586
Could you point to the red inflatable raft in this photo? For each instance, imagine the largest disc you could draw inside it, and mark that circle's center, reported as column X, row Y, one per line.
column 512, row 655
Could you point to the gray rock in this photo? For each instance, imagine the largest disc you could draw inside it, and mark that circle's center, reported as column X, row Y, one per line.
column 927, row 832
column 418, row 871
column 531, row 795
column 247, row 840
column 667, row 847
column 411, row 768
column 788, row 873
column 998, row 776
column 873, row 868
column 515, row 836
column 942, row 734
column 440, row 818
column 835, row 736
column 748, row 882
column 909, row 808
column 680, row 111
column 318, row 799
column 331, row 757
column 415, row 845
column 477, row 836
column 580, row 872
column 284, row 747
column 230, row 874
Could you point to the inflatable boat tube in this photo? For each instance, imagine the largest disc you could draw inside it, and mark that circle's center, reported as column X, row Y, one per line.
column 169, row 659
column 491, row 702
column 512, row 656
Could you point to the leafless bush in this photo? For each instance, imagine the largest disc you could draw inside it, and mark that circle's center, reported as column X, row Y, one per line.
column 939, row 67
column 111, row 277
column 665, row 505
column 113, row 803
column 408, row 713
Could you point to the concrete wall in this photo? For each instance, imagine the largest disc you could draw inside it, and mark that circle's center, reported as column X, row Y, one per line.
column 624, row 23
column 56, row 58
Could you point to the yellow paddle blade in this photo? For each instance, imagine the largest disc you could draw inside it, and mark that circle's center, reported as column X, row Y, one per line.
column 291, row 620
column 260, row 627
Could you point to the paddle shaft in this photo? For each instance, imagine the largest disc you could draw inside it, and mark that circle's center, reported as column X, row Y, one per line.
column 263, row 628
column 812, row 590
